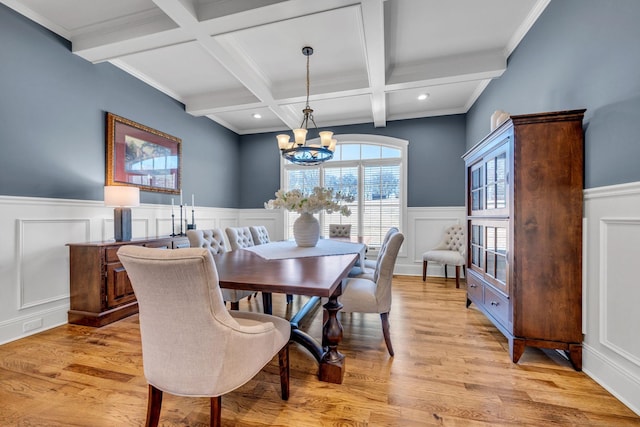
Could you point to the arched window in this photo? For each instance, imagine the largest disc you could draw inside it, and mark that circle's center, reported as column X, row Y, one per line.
column 372, row 169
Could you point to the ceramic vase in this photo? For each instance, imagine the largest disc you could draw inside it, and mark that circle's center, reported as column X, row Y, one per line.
column 306, row 230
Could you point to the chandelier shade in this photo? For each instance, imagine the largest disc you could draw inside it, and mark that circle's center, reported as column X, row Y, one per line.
column 299, row 151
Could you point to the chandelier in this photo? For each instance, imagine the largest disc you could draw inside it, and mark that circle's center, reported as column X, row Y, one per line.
column 299, row 151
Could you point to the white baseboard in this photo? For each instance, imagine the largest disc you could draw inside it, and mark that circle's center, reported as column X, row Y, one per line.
column 34, row 323
column 621, row 383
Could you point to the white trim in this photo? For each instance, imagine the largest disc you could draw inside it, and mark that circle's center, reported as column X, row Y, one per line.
column 604, row 287
column 617, row 190
column 344, row 139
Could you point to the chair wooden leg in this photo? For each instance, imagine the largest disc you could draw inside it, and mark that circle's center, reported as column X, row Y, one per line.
column 289, row 298
column 235, row 305
column 457, row 276
column 445, row 272
column 283, row 362
column 424, row 271
column 385, row 331
column 216, row 411
column 154, row 404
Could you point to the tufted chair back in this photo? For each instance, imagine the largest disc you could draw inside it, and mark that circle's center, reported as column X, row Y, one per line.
column 239, row 237
column 454, row 239
column 208, row 239
column 450, row 251
column 260, row 234
column 384, row 268
column 213, row 241
column 339, row 230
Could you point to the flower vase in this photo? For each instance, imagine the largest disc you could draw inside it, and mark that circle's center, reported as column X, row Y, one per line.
column 306, row 230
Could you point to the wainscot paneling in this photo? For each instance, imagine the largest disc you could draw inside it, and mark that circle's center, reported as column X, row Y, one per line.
column 611, row 352
column 34, row 259
column 425, row 229
column 34, row 265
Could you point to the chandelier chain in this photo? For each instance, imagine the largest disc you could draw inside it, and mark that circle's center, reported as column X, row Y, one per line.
column 298, row 151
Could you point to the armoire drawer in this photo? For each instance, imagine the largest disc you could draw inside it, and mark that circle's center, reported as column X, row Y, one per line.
column 496, row 304
column 475, row 289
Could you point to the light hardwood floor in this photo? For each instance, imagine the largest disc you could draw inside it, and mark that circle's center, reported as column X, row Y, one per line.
column 451, row 368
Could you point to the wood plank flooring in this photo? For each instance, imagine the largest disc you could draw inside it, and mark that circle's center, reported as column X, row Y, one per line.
column 451, row 368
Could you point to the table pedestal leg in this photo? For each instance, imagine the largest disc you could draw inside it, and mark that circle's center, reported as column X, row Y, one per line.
column 332, row 362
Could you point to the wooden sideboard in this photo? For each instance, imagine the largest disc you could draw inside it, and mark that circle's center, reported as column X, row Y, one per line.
column 101, row 292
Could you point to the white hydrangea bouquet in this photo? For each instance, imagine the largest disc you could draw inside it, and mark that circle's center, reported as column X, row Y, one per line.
column 318, row 200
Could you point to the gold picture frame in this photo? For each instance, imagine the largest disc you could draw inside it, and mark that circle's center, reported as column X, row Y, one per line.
column 143, row 157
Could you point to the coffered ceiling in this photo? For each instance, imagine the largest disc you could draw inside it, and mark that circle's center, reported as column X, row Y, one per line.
column 232, row 59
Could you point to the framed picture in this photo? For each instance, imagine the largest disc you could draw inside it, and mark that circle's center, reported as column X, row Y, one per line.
column 143, row 157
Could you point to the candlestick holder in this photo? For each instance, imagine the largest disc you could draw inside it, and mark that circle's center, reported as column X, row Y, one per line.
column 173, row 225
column 192, row 226
column 182, row 233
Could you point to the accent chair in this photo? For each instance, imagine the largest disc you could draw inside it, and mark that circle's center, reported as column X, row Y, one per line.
column 191, row 344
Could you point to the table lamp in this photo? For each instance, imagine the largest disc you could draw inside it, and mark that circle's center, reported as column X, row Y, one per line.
column 122, row 198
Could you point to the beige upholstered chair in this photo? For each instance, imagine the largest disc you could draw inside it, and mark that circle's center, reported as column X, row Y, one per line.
column 371, row 263
column 374, row 295
column 450, row 251
column 191, row 344
column 369, row 267
column 339, row 230
column 259, row 234
column 239, row 237
column 213, row 240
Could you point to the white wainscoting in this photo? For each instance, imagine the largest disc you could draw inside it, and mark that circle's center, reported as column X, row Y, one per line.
column 34, row 259
column 611, row 353
column 34, row 265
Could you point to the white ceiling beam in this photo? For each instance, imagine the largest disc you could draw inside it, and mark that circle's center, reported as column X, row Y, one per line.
column 446, row 70
column 126, row 35
column 373, row 33
column 211, row 103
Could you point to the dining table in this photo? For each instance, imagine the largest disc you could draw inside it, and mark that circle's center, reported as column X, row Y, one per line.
column 316, row 272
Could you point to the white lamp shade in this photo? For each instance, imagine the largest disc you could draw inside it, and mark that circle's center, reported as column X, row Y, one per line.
column 283, row 141
column 122, row 196
column 325, row 138
column 300, row 136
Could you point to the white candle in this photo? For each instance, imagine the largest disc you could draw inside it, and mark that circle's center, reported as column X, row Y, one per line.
column 172, row 206
column 181, row 198
column 193, row 203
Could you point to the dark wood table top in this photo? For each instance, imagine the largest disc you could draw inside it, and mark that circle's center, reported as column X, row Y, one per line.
column 311, row 276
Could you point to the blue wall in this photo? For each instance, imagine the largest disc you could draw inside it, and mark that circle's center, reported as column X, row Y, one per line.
column 435, row 167
column 52, row 123
column 579, row 54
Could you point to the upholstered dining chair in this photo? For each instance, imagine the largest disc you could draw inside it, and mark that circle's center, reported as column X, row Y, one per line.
column 373, row 295
column 259, row 234
column 369, row 266
column 450, row 251
column 339, row 230
column 191, row 344
column 213, row 240
column 239, row 237
column 371, row 263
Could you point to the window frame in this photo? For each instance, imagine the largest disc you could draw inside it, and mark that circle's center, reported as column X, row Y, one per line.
column 344, row 139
